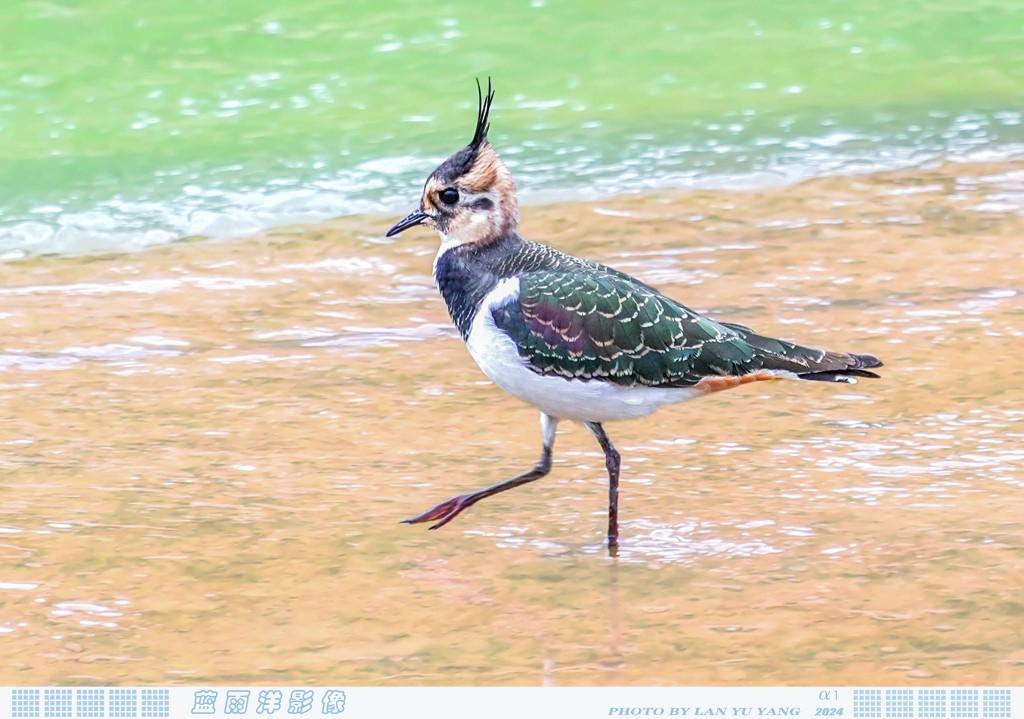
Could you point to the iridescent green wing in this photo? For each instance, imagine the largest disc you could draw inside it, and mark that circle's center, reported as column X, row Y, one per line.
column 591, row 322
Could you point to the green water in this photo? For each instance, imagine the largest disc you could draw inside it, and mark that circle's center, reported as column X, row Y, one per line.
column 127, row 123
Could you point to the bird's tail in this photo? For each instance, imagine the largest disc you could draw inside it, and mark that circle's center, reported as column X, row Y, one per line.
column 855, row 367
column 807, row 363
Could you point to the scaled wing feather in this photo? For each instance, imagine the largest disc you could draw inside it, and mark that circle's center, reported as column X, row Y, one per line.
column 594, row 323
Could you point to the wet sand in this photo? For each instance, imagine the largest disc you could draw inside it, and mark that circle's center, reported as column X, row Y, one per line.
column 206, row 449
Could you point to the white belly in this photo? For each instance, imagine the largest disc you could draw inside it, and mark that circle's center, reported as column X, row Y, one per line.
column 584, row 401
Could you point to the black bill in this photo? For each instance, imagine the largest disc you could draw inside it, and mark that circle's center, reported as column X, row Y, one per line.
column 416, row 217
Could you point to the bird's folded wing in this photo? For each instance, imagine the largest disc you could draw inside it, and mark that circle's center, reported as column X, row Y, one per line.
column 594, row 323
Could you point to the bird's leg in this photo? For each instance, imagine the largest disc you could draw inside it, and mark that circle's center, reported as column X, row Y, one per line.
column 611, row 461
column 447, row 511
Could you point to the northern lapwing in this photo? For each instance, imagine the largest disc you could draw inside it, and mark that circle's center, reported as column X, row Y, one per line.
column 574, row 338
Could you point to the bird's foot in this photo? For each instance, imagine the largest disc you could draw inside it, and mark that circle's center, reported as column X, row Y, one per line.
column 613, row 546
column 445, row 512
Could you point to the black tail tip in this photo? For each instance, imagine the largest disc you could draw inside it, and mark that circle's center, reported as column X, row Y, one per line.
column 856, row 365
column 865, row 361
column 849, row 376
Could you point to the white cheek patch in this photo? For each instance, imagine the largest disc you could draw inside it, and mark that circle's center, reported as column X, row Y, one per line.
column 472, row 227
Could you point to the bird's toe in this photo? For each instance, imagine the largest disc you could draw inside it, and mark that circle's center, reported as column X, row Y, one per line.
column 444, row 512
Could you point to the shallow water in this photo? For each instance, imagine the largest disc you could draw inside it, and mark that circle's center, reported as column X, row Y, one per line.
column 207, row 448
column 125, row 124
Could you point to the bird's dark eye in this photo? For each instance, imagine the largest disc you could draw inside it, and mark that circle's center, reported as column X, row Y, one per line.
column 449, row 195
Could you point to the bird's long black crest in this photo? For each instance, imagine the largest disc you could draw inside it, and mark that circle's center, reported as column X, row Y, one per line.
column 462, row 161
column 482, row 123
